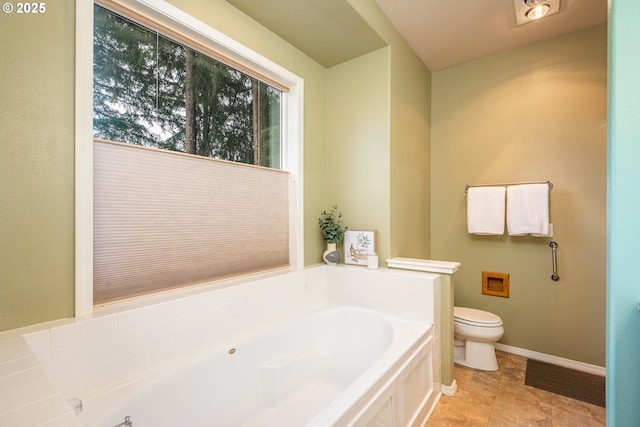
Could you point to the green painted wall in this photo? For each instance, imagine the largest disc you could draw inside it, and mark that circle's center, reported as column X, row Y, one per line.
column 409, row 116
column 358, row 144
column 533, row 113
column 410, row 157
column 623, row 291
column 37, row 166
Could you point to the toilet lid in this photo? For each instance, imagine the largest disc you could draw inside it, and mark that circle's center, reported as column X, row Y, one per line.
column 471, row 316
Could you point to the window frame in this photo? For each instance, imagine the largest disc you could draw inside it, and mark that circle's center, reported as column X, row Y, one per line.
column 171, row 17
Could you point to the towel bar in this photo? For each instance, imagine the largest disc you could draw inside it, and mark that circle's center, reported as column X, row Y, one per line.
column 507, row 184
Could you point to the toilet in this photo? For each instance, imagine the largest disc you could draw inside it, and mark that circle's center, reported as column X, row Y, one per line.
column 475, row 333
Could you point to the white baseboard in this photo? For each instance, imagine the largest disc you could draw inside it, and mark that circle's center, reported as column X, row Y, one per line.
column 555, row 360
column 449, row 390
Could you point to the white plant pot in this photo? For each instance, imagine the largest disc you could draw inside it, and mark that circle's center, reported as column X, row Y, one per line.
column 331, row 256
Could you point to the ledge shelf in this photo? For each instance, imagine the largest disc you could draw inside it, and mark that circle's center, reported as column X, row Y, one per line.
column 431, row 266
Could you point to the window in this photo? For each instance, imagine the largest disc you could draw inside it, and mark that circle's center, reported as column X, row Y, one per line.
column 189, row 219
column 152, row 91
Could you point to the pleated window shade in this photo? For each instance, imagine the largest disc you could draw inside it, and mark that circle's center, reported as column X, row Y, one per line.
column 164, row 220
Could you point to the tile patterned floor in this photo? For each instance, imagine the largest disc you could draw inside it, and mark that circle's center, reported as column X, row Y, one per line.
column 501, row 399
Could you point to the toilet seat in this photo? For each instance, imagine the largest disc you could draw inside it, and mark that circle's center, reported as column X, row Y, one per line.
column 473, row 317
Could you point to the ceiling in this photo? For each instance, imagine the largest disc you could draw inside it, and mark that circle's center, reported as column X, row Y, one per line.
column 329, row 31
column 443, row 33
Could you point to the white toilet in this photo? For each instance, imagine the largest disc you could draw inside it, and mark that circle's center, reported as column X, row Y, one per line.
column 475, row 333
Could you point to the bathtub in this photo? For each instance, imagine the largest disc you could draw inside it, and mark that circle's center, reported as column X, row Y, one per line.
column 322, row 346
column 317, row 370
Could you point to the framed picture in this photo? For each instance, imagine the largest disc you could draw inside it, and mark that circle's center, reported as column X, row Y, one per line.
column 357, row 245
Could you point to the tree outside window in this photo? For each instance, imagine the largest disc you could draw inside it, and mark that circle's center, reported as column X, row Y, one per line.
column 150, row 90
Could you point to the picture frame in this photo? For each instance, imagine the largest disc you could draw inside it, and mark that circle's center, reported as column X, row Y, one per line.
column 357, row 245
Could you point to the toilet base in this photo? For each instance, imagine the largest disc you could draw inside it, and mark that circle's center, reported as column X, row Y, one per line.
column 476, row 355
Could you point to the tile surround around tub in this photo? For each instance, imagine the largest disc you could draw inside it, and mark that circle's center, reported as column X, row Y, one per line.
column 27, row 397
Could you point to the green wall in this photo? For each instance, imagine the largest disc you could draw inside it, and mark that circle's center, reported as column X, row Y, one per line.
column 37, row 166
column 410, row 156
column 533, row 113
column 358, row 144
column 391, row 138
column 623, row 291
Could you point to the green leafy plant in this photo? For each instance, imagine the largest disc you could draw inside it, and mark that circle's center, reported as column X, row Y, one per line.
column 330, row 223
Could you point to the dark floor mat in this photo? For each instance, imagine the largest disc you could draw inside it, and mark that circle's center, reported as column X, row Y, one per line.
column 566, row 382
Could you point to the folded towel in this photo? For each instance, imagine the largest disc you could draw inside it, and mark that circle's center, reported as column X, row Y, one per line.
column 485, row 210
column 528, row 209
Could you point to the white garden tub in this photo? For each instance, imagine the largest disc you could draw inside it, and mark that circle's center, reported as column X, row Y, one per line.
column 327, row 368
column 320, row 346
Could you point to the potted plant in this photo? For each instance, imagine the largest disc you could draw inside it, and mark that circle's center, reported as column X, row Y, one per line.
column 330, row 223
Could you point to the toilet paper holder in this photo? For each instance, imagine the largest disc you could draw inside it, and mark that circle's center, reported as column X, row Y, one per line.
column 554, row 259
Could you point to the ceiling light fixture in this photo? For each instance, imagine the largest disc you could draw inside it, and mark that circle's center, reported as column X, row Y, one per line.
column 538, row 11
column 531, row 10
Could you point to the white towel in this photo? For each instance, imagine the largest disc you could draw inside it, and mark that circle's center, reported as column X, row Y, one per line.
column 528, row 209
column 485, row 210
